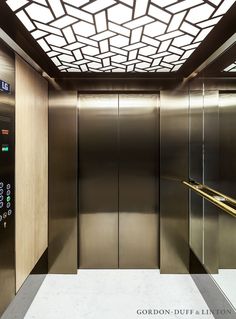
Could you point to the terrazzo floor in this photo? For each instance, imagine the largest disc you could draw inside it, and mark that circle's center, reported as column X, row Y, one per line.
column 118, row 294
column 226, row 280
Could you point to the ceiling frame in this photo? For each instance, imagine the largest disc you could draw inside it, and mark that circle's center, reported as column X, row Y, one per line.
column 221, row 32
column 216, row 68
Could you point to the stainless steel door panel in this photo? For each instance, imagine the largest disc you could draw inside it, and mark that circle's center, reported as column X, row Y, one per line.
column 99, row 240
column 138, row 240
column 98, row 180
column 98, row 188
column 118, row 182
column 138, row 180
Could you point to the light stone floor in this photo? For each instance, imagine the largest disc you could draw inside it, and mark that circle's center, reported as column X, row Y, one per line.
column 226, row 280
column 117, row 294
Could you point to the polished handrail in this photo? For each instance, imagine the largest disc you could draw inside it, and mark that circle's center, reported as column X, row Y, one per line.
column 216, row 198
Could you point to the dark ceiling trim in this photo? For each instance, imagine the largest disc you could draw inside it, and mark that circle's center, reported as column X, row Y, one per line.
column 221, row 51
column 223, row 75
column 10, row 24
column 217, row 37
column 225, row 60
column 118, row 84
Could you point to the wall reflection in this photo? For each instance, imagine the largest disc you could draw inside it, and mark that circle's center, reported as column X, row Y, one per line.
column 212, row 158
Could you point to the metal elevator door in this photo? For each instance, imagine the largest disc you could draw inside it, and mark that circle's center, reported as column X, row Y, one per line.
column 118, row 180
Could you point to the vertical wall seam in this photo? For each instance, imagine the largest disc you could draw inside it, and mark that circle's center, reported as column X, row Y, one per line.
column 118, row 175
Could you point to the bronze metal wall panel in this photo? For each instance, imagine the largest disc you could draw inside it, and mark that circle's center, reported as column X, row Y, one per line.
column 7, row 224
column 211, row 178
column 196, row 171
column 174, row 139
column 98, row 180
column 63, row 150
column 138, row 181
column 227, row 177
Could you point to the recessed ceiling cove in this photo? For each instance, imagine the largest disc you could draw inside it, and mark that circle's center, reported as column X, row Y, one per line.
column 119, row 36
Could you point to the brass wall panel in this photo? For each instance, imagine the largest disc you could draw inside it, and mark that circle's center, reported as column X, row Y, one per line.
column 7, row 235
column 63, row 151
column 227, row 184
column 211, row 178
column 196, row 171
column 138, row 181
column 174, row 226
column 98, row 180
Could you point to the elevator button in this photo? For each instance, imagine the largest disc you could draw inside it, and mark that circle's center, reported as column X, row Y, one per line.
column 8, row 205
column 4, row 215
column 8, row 192
column 1, row 204
column 1, row 191
column 9, row 212
column 8, row 198
column 1, row 184
column 1, row 198
column 8, row 186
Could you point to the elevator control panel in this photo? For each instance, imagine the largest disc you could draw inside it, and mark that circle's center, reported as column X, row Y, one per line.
column 6, row 169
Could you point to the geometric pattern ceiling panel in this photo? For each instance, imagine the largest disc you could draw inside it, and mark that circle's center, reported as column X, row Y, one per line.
column 231, row 68
column 119, row 36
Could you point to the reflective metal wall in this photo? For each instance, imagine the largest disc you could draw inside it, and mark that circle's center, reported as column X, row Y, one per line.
column 174, row 232
column 211, row 179
column 113, row 180
column 196, row 171
column 118, row 180
column 227, row 177
column 7, row 220
column 204, row 168
column 62, row 251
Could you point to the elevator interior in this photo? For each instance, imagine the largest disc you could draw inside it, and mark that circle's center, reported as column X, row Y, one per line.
column 125, row 150
column 212, row 157
column 194, row 144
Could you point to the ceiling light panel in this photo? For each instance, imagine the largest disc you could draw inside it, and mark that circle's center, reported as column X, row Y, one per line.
column 231, row 68
column 120, row 35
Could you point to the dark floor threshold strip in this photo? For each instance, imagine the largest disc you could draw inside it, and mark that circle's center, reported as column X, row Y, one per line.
column 215, row 299
column 25, row 296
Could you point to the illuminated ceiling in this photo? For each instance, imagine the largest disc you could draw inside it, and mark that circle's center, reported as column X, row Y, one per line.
column 231, row 68
column 119, row 36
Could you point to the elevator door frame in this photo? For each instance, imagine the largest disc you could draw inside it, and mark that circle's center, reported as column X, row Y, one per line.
column 157, row 157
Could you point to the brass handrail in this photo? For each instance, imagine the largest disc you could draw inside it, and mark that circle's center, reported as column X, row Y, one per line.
column 218, row 199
